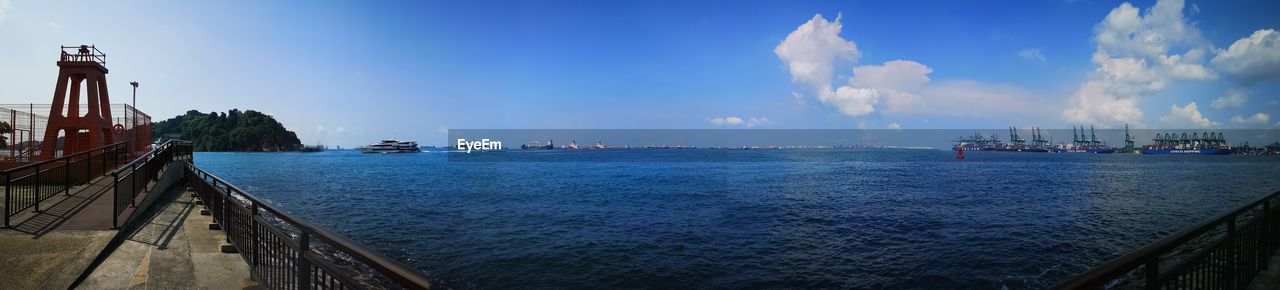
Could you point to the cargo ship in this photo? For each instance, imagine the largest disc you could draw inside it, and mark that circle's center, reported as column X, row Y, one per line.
column 1208, row 143
column 1081, row 143
column 535, row 145
column 977, row 142
column 1017, row 144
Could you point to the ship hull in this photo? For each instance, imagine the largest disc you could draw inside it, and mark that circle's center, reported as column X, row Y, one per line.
column 379, row 150
column 1024, row 150
column 1092, row 151
column 1188, row 151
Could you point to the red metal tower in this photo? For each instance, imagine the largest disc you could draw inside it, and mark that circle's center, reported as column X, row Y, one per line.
column 83, row 69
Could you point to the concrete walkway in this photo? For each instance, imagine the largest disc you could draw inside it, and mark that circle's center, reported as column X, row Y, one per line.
column 173, row 249
column 45, row 250
column 167, row 246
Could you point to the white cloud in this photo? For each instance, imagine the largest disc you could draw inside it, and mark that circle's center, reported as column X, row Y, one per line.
column 799, row 98
column 4, row 8
column 897, row 81
column 894, row 87
column 726, row 121
column 1253, row 58
column 1259, row 118
column 811, row 52
column 853, row 101
column 1032, row 54
column 340, row 130
column 1233, row 99
column 736, row 121
column 1134, row 61
column 894, row 126
column 320, row 129
column 1187, row 115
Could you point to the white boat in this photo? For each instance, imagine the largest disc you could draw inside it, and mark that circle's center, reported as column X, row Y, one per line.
column 391, row 146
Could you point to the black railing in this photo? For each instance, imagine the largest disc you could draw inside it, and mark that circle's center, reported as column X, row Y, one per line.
column 131, row 179
column 85, row 53
column 27, row 185
column 284, row 252
column 1222, row 253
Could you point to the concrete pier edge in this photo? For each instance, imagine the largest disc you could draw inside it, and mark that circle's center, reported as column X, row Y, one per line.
column 170, row 182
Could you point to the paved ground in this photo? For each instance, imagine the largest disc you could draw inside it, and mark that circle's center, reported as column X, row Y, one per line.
column 173, row 249
column 38, row 254
column 51, row 261
column 1269, row 278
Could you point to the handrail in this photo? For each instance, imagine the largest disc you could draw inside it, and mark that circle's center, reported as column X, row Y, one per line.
column 83, row 53
column 28, row 185
column 125, row 179
column 143, row 157
column 1149, row 255
column 78, row 154
column 402, row 274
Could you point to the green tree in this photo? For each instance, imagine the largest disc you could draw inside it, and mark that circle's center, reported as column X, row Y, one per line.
column 231, row 131
column 4, row 129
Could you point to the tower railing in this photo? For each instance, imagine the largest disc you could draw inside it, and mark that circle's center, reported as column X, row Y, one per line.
column 87, row 53
column 1226, row 252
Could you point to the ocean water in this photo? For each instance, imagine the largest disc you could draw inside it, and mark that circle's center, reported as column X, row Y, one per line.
column 833, row 218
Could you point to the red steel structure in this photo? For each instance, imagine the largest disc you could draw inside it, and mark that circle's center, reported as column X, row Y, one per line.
column 84, row 68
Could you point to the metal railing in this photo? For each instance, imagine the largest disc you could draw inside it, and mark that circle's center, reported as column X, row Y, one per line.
column 284, row 252
column 83, row 53
column 27, row 185
column 1226, row 252
column 131, row 179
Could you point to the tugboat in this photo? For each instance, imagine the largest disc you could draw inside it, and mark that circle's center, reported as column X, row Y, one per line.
column 1209, row 143
column 1085, row 144
column 391, row 146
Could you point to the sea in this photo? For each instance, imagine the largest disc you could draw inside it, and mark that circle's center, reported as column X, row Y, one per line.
column 786, row 218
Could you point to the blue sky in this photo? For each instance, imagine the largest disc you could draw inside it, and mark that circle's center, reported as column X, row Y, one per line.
column 350, row 72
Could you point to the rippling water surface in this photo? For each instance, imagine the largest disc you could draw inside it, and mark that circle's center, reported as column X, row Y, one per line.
column 838, row 218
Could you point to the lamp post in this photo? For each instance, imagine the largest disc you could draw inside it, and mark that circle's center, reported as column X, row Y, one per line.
column 133, row 134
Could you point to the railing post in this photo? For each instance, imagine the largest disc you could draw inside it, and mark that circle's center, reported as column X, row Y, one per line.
column 304, row 265
column 37, row 184
column 8, row 187
column 115, row 199
column 1266, row 234
column 226, row 224
column 88, row 167
column 66, row 176
column 254, row 237
column 133, row 186
column 1232, row 255
column 1152, row 270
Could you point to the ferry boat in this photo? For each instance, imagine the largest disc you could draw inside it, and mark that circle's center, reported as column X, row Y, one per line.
column 391, row 146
